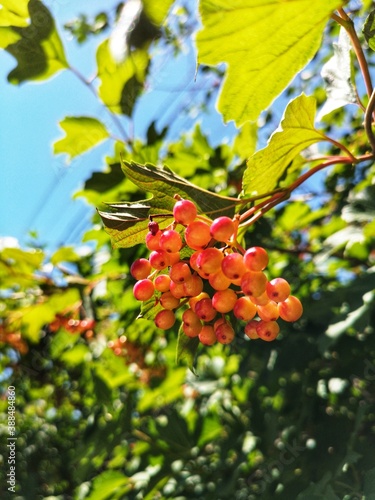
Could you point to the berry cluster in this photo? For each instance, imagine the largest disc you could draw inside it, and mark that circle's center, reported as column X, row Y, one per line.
column 219, row 281
column 72, row 324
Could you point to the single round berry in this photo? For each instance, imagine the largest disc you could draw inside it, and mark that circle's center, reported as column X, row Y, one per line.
column 209, row 260
column 192, row 330
column 184, row 212
column 193, row 286
column 233, row 266
column 140, row 269
column 278, row 289
column 165, row 319
column 222, row 228
column 268, row 312
column 268, row 330
column 162, row 283
column 189, row 317
column 153, row 227
column 244, row 309
column 170, row 241
column 194, row 300
column 224, row 333
column 197, row 235
column 251, row 329
column 256, row 259
column 207, row 335
column 253, row 283
column 291, row 309
column 205, row 310
column 159, row 259
column 143, row 290
column 224, row 300
column 180, row 272
column 169, row 301
column 219, row 281
column 152, row 240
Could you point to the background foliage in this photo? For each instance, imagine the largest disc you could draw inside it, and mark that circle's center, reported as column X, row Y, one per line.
column 103, row 409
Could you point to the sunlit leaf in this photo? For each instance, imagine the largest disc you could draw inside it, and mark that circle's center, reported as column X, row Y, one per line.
column 264, row 44
column 295, row 133
column 14, row 13
column 81, row 134
column 39, row 51
column 121, row 83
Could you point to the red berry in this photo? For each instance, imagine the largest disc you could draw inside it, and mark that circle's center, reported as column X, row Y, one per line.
column 224, row 333
column 177, row 289
column 224, row 300
column 207, row 335
column 159, row 259
column 197, row 235
column 205, row 310
column 180, row 272
column 194, row 300
column 222, row 228
column 184, row 212
column 192, row 330
column 209, row 260
column 253, row 283
column 152, row 240
column 143, row 290
column 165, row 319
column 233, row 266
column 244, row 309
column 140, row 269
column 169, row 301
column 219, row 281
column 153, row 227
column 170, row 241
column 256, row 259
column 251, row 329
column 268, row 330
column 268, row 312
column 193, row 286
column 162, row 283
column 291, row 309
column 278, row 289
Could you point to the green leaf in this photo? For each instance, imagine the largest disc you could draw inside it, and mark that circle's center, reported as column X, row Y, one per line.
column 121, row 83
column 110, row 485
column 82, row 134
column 157, row 11
column 264, row 44
column 14, row 13
column 127, row 223
column 38, row 51
column 186, row 349
column 337, row 75
column 295, row 133
column 369, row 30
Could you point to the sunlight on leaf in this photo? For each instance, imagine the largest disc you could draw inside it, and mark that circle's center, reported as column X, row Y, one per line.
column 264, row 44
column 295, row 133
column 82, row 134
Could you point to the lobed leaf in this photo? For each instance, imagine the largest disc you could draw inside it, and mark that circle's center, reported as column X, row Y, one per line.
column 81, row 134
column 38, row 49
column 296, row 132
column 264, row 44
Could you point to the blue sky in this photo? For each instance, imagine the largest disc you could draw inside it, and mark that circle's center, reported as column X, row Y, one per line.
column 36, row 187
